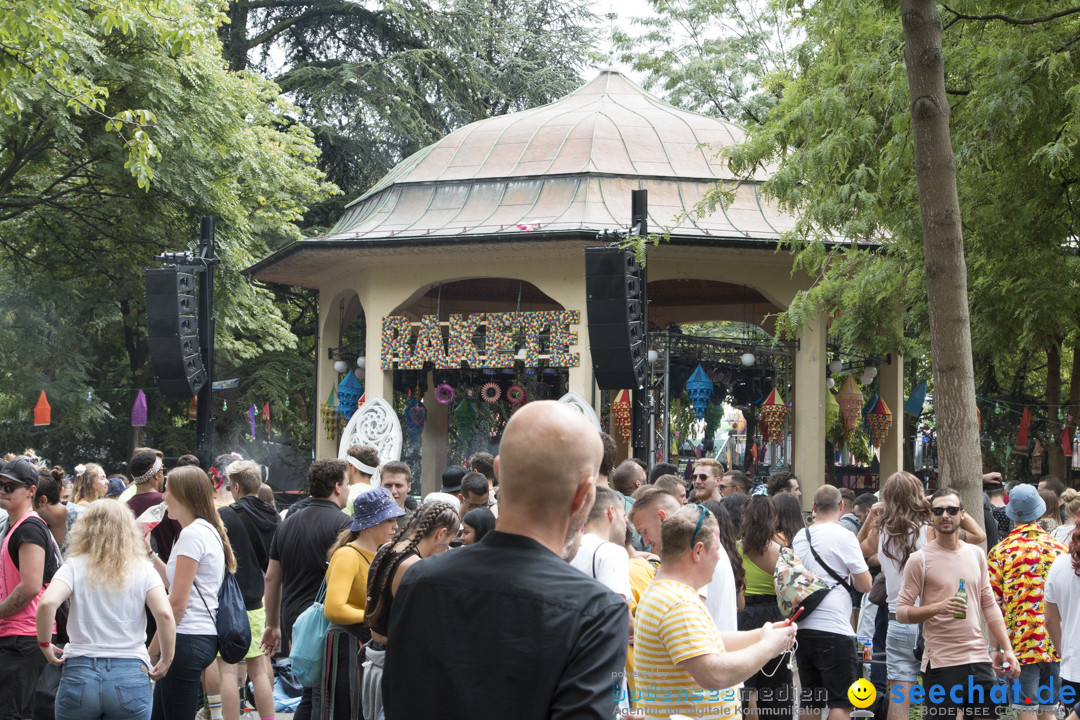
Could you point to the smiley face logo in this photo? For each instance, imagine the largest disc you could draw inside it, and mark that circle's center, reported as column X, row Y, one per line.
column 862, row 693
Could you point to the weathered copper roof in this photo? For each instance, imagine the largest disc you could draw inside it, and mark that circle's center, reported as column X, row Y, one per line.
column 569, row 165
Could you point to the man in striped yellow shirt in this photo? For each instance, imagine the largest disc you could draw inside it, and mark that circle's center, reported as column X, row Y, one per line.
column 682, row 662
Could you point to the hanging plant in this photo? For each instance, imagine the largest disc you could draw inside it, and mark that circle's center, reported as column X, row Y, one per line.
column 444, row 394
column 516, row 394
column 490, row 392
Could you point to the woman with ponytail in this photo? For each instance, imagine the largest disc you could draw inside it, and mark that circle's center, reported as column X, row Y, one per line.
column 193, row 576
column 429, row 532
column 1062, row 596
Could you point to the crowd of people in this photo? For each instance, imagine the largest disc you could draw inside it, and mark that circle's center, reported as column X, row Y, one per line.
column 548, row 581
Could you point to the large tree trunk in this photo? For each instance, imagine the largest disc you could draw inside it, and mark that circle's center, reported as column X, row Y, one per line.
column 1055, row 457
column 946, row 275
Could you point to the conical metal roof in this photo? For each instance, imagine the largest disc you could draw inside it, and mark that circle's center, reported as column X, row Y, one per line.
column 565, row 167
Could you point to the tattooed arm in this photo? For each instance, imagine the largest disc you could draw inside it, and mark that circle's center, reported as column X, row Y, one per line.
column 31, row 571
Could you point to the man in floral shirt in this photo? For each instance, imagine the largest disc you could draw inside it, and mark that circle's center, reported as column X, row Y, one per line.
column 1018, row 568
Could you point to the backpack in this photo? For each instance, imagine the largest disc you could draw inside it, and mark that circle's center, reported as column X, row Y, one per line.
column 233, row 628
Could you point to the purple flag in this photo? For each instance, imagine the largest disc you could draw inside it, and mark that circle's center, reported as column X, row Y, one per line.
column 138, row 410
column 251, row 417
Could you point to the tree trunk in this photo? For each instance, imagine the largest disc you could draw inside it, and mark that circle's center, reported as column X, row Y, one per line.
column 946, row 274
column 1055, row 464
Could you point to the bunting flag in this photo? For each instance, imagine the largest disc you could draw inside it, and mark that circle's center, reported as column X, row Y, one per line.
column 1022, row 435
column 916, row 400
column 193, row 408
column 139, row 410
column 1066, row 441
column 266, row 417
column 251, row 418
column 42, row 411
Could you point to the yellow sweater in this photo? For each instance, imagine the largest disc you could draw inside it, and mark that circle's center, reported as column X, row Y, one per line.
column 346, row 585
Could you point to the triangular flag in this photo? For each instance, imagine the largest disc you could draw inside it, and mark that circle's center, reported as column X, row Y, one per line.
column 42, row 411
column 266, row 417
column 251, row 417
column 916, row 399
column 1066, row 442
column 1022, row 435
column 138, row 410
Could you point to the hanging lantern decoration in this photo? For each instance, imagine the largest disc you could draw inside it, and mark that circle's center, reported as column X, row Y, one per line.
column 1021, row 435
column 444, row 394
column 851, row 402
column 349, row 391
column 620, row 410
column 266, row 417
column 516, row 395
column 1066, row 442
column 139, row 410
column 879, row 420
column 193, row 408
column 251, row 420
column 42, row 411
column 774, row 413
column 832, row 410
column 465, row 416
column 490, row 392
column 415, row 417
column 700, row 388
column 331, row 417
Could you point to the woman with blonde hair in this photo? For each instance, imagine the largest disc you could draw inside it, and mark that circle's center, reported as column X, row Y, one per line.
column 107, row 671
column 196, row 568
column 90, row 484
column 1071, row 498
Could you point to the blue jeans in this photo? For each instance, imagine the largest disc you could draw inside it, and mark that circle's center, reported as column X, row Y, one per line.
column 176, row 696
column 104, row 689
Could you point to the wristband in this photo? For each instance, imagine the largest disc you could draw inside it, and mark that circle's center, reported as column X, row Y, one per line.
column 45, row 644
column 151, row 555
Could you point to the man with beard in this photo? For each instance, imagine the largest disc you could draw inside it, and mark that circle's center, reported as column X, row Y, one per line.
column 560, row 635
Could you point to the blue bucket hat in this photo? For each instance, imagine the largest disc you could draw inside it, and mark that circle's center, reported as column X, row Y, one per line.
column 373, row 507
column 1025, row 505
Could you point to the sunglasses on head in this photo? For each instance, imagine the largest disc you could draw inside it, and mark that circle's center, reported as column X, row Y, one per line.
column 10, row 487
column 703, row 512
column 939, row 511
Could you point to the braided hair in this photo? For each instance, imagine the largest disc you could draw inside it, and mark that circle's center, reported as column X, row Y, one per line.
column 428, row 519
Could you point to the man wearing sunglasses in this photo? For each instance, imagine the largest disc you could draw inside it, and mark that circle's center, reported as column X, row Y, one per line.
column 683, row 664
column 956, row 654
column 707, row 480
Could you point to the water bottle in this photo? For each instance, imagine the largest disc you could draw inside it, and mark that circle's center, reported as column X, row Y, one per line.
column 150, row 518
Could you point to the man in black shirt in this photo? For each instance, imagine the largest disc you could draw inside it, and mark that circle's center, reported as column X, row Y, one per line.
column 561, row 635
column 298, row 558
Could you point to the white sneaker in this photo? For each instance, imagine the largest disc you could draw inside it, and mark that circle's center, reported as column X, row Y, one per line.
column 204, row 713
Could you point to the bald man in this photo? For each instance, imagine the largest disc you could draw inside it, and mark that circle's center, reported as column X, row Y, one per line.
column 561, row 636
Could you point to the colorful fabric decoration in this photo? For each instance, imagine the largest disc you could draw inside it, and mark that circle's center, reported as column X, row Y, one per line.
column 879, row 421
column 193, row 408
column 1022, row 434
column 700, row 388
column 850, row 398
column 444, row 394
column 349, row 391
column 331, row 417
column 139, row 410
column 42, row 411
column 916, row 399
column 774, row 415
column 251, row 419
column 1066, row 442
column 832, row 409
column 415, row 417
column 620, row 410
column 266, row 417
column 465, row 415
column 516, row 394
column 490, row 392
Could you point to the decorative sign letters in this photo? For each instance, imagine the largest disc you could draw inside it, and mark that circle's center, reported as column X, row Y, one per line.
column 411, row 345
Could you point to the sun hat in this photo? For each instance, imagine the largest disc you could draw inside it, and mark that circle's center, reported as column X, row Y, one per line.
column 1025, row 505
column 373, row 507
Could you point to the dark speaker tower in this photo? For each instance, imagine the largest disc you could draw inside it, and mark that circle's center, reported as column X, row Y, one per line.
column 173, row 332
column 615, row 301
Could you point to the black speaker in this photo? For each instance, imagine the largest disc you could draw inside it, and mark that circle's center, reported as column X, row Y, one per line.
column 172, row 330
column 615, row 301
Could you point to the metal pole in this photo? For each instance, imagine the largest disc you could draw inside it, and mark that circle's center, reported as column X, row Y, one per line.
column 204, row 430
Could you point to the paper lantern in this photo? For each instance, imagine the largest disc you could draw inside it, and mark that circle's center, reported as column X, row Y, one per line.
column 851, row 402
column 879, row 420
column 620, row 410
column 415, row 417
column 832, row 410
column 700, row 388
column 349, row 391
column 139, row 410
column 774, row 414
column 465, row 416
column 42, row 411
column 1066, row 442
column 331, row 416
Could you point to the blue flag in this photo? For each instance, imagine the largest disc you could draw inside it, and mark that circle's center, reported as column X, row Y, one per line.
column 915, row 401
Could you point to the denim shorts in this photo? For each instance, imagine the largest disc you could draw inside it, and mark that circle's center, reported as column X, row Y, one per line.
column 1036, row 682
column 900, row 652
column 104, row 688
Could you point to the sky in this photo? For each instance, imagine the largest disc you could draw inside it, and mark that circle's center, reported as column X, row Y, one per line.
column 625, row 10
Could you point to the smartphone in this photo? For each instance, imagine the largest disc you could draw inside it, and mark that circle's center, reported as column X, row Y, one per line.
column 794, row 617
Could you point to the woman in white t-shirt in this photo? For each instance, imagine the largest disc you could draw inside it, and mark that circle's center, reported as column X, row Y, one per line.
column 107, row 671
column 193, row 576
column 1062, row 596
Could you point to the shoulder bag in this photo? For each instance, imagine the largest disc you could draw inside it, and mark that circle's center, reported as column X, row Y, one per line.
column 309, row 641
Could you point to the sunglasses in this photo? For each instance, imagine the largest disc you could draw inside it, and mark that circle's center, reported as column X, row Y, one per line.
column 10, row 487
column 702, row 477
column 703, row 512
column 939, row 511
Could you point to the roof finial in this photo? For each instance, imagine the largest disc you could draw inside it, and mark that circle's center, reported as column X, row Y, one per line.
column 611, row 16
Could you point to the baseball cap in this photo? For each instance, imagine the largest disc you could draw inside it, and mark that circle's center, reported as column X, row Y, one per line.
column 116, row 487
column 21, row 470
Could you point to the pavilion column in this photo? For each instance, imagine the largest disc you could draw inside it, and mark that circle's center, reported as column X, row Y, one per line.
column 434, row 443
column 891, row 390
column 325, row 377
column 377, row 382
column 808, row 443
